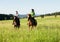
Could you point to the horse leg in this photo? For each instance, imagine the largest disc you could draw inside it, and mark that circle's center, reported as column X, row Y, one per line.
column 18, row 26
column 15, row 26
column 32, row 27
column 29, row 27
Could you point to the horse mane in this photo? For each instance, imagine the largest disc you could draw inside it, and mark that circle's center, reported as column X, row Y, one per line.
column 30, row 17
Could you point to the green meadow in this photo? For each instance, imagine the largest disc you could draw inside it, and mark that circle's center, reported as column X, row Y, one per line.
column 47, row 30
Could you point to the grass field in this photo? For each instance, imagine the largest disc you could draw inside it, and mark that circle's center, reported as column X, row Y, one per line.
column 47, row 30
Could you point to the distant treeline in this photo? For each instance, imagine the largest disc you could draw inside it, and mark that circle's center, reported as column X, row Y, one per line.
column 10, row 16
column 50, row 14
column 6, row 17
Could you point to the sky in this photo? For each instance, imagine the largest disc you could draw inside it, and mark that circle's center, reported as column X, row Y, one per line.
column 25, row 6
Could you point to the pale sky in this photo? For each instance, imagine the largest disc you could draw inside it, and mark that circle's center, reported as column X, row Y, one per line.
column 25, row 6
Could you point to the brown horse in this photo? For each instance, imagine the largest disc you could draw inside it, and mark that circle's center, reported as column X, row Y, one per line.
column 16, row 22
column 31, row 21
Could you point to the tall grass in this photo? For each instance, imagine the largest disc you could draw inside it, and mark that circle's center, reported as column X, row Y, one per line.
column 47, row 30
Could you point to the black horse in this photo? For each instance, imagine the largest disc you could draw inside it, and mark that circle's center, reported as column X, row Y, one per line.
column 16, row 22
